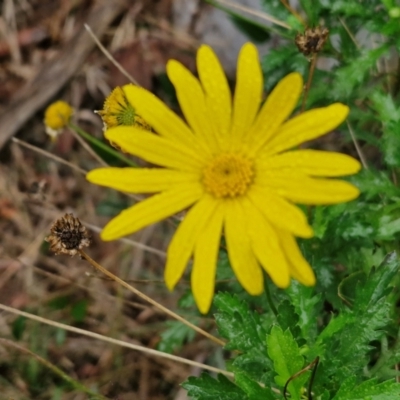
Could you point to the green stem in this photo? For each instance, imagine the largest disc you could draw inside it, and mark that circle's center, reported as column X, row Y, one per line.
column 268, row 295
column 102, row 145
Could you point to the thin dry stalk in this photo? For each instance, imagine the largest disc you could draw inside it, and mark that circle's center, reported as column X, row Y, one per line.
column 259, row 14
column 109, row 56
column 309, row 80
column 122, row 343
column 357, row 146
column 293, row 12
column 150, row 300
column 49, row 155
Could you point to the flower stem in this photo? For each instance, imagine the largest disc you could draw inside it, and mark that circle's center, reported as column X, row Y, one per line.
column 150, row 300
column 268, row 296
column 99, row 144
column 309, row 80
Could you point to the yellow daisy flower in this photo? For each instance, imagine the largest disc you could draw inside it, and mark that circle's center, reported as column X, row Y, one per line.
column 234, row 165
column 56, row 117
column 118, row 111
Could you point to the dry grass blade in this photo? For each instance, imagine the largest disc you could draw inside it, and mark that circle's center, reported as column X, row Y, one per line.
column 109, row 55
column 132, row 346
column 256, row 13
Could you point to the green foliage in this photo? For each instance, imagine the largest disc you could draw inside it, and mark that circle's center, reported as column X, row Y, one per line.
column 175, row 336
column 18, row 327
column 285, row 353
column 207, row 388
column 245, row 333
column 369, row 390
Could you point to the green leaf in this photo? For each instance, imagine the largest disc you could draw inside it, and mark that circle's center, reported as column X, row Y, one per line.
column 207, row 388
column 79, row 310
column 348, row 77
column 175, row 336
column 348, row 8
column 345, row 344
column 284, row 352
column 336, row 324
column 245, row 332
column 238, row 324
column 276, row 9
column 279, row 62
column 257, row 33
column 369, row 390
column 385, row 107
column 391, row 143
column 307, row 306
column 288, row 319
column 253, row 389
column 374, row 183
column 377, row 285
column 18, row 327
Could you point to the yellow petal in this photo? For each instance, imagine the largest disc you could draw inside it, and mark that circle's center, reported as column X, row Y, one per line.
column 277, row 108
column 205, row 261
column 308, row 125
column 152, row 210
column 248, row 91
column 159, row 116
column 185, row 237
column 154, row 148
column 240, row 253
column 304, row 190
column 193, row 103
column 280, row 212
column 218, row 94
column 139, row 180
column 314, row 162
column 299, row 267
column 266, row 246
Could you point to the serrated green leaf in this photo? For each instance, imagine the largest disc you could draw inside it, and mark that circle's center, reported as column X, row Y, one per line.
column 238, row 324
column 245, row 332
column 373, row 183
column 377, row 285
column 369, row 390
column 388, row 227
column 175, row 336
column 336, row 324
column 276, row 9
column 391, row 143
column 345, row 344
column 385, row 107
column 287, row 318
column 307, row 307
column 349, row 8
column 285, row 353
column 207, row 388
column 353, row 74
column 253, row 389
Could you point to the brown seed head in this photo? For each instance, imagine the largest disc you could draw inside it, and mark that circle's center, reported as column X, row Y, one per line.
column 68, row 236
column 312, row 40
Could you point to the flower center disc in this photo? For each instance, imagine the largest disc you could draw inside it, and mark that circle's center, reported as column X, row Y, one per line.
column 228, row 175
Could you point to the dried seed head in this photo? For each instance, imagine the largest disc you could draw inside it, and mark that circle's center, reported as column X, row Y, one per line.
column 68, row 236
column 312, row 40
